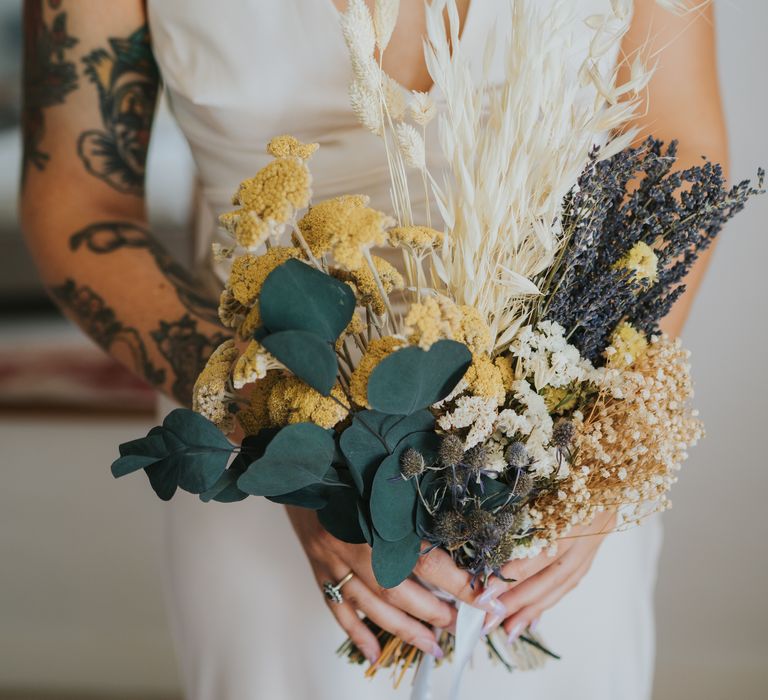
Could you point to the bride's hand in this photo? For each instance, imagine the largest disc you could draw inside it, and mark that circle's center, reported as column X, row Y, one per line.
column 543, row 580
column 399, row 610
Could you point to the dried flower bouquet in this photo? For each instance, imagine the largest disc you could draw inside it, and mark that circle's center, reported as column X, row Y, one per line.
column 509, row 382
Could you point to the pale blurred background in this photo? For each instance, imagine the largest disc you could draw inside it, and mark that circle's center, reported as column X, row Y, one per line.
column 81, row 611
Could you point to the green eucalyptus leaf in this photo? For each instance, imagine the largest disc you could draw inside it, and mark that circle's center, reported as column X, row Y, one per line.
column 296, row 296
column 340, row 515
column 307, row 355
column 163, row 476
column 364, row 521
column 419, row 422
column 411, row 379
column 298, row 456
column 364, row 448
column 393, row 499
column 131, row 463
column 194, row 430
column 314, row 497
column 393, row 562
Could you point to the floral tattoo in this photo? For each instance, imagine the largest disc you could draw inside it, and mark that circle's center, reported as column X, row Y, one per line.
column 127, row 79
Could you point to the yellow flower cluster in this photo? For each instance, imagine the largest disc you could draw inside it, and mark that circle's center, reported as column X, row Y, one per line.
column 268, row 200
column 377, row 350
column 210, row 394
column 504, row 365
column 432, row 319
column 627, row 345
column 249, row 272
column 474, row 331
column 345, row 227
column 253, row 364
column 287, row 146
column 417, row 237
column 364, row 284
column 255, row 416
column 643, row 262
column 293, row 401
column 484, row 378
column 560, row 399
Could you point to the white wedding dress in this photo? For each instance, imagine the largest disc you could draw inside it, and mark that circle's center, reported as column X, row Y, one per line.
column 247, row 616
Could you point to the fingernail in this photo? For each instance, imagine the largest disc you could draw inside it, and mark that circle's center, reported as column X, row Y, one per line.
column 492, row 622
column 514, row 633
column 372, row 658
column 488, row 594
column 430, row 647
column 534, row 625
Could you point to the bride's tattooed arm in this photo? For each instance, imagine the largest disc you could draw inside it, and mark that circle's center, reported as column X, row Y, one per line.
column 90, row 88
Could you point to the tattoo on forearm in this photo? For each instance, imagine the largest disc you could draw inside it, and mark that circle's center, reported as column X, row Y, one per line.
column 109, row 236
column 48, row 76
column 187, row 350
column 127, row 79
column 101, row 323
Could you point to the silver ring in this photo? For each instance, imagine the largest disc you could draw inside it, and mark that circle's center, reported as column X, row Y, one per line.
column 333, row 593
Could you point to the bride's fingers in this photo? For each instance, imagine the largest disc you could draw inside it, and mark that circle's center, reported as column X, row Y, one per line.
column 356, row 629
column 409, row 596
column 438, row 568
column 522, row 619
column 540, row 585
column 358, row 596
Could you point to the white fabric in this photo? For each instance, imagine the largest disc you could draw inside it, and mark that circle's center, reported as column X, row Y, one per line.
column 247, row 616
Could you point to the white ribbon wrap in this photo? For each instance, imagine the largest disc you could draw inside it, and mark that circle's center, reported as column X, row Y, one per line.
column 469, row 630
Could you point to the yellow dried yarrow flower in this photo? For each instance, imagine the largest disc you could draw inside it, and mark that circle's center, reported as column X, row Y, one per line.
column 376, row 351
column 230, row 309
column 270, row 198
column 354, row 327
column 475, row 333
column 344, row 226
column 249, row 272
column 432, row 319
column 255, row 416
column 643, row 262
column 249, row 323
column 504, row 365
column 246, row 227
column 211, row 393
column 627, row 345
column 253, row 364
column 294, row 401
column 560, row 399
column 286, row 145
column 364, row 283
column 485, row 379
column 419, row 237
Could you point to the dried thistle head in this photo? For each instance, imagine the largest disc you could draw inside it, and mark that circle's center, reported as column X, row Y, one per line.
column 563, row 433
column 517, row 455
column 450, row 528
column 451, row 450
column 412, row 463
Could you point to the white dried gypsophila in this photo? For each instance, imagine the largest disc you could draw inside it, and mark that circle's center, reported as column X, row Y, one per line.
column 474, row 412
column 422, row 108
column 544, row 355
column 411, row 146
column 494, row 455
column 384, row 21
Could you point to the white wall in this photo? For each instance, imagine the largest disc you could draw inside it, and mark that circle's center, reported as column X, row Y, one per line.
column 79, row 578
column 712, row 606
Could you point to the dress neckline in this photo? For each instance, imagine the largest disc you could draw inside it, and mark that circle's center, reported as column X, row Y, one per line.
column 464, row 35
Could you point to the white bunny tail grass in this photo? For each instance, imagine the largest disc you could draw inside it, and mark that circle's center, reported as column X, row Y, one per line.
column 384, row 21
column 515, row 149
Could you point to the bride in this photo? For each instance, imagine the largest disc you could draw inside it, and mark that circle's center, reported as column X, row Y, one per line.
column 243, row 580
